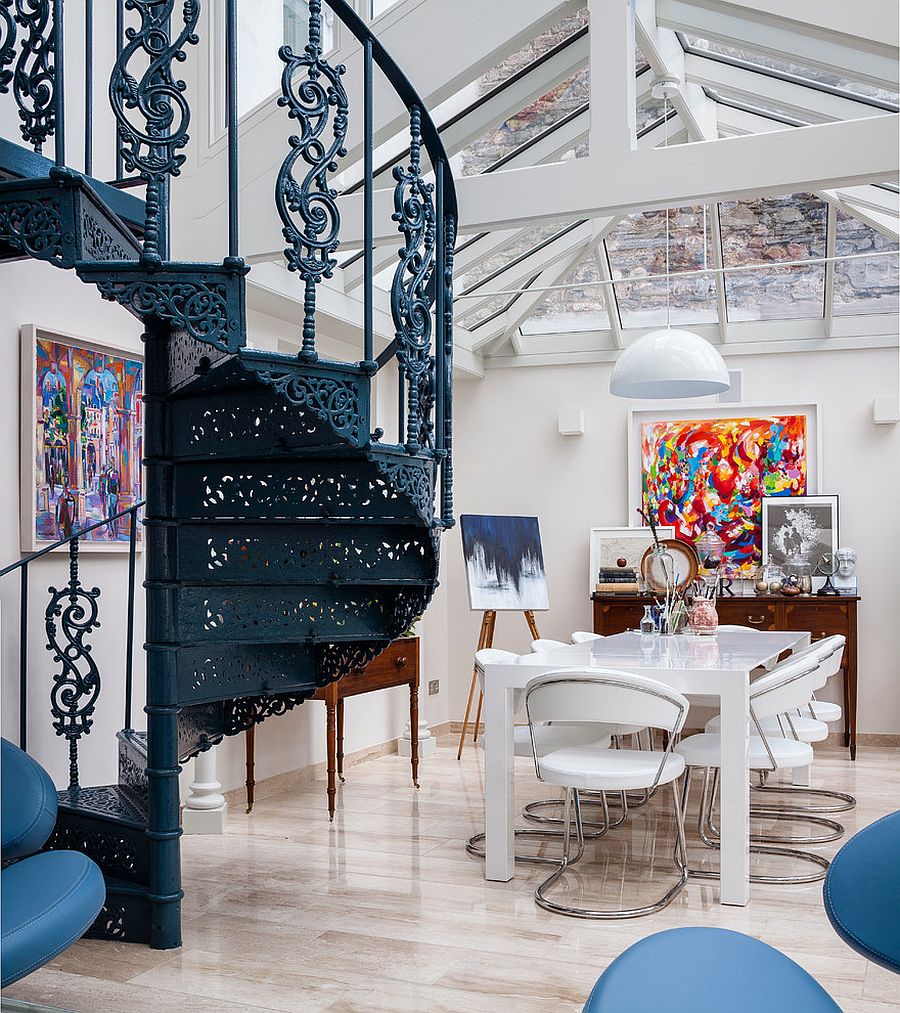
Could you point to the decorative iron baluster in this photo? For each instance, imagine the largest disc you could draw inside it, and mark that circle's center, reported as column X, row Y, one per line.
column 308, row 209
column 76, row 686
column 447, row 392
column 153, row 148
column 7, row 43
column 410, row 302
column 35, row 73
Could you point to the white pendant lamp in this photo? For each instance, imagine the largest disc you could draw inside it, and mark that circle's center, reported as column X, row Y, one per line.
column 669, row 363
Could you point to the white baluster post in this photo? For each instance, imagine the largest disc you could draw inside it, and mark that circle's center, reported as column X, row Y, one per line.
column 205, row 808
column 427, row 742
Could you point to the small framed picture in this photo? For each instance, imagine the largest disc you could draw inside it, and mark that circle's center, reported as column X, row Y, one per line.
column 800, row 530
column 610, row 545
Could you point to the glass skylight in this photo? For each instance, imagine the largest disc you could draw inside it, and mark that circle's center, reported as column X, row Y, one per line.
column 520, row 246
column 765, row 231
column 572, row 309
column 637, row 248
column 868, row 285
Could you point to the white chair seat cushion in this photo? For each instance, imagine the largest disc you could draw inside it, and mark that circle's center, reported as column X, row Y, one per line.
column 556, row 736
column 608, row 769
column 807, row 728
column 705, row 750
column 826, row 711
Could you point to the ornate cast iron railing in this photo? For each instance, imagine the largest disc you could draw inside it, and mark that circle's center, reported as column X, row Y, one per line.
column 71, row 616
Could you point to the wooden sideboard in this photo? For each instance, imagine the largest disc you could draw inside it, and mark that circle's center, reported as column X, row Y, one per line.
column 397, row 665
column 822, row 617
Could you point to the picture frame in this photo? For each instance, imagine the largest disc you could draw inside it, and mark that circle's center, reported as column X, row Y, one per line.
column 81, row 439
column 743, row 548
column 808, row 524
column 504, row 562
column 630, row 543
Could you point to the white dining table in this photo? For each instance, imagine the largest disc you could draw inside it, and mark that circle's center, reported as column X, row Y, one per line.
column 709, row 666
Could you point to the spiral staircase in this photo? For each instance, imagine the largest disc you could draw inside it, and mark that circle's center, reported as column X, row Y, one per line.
column 286, row 544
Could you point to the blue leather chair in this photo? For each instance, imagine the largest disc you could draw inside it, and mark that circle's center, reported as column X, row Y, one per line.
column 691, row 969
column 50, row 900
column 862, row 892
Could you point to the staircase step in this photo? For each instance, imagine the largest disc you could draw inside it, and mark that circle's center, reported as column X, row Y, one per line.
column 133, row 766
column 61, row 220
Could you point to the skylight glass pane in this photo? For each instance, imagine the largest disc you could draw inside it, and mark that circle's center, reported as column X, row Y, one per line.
column 649, row 111
column 528, row 239
column 868, row 285
column 548, row 110
column 763, row 107
column 572, row 309
column 764, row 231
column 782, row 64
column 637, row 248
column 534, row 50
column 472, row 317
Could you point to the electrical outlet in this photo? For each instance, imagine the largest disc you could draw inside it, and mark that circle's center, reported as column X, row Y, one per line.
column 434, row 687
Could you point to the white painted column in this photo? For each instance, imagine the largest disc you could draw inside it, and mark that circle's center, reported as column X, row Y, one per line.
column 427, row 742
column 205, row 808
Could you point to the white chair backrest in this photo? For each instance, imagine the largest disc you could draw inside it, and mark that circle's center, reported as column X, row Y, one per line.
column 491, row 656
column 606, row 696
column 788, row 686
column 737, row 628
column 828, row 652
column 583, row 637
column 539, row 646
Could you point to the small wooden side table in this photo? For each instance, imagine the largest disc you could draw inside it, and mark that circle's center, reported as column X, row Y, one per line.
column 397, row 665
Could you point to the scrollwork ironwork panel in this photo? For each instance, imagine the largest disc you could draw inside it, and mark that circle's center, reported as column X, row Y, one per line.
column 410, row 299
column 71, row 615
column 331, row 399
column 308, row 207
column 7, row 44
column 33, row 225
column 414, row 480
column 152, row 114
column 34, row 78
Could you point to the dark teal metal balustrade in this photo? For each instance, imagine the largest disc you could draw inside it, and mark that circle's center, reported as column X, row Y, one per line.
column 286, row 544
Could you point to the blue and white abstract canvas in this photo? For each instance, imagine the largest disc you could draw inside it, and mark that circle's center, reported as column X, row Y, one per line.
column 504, row 563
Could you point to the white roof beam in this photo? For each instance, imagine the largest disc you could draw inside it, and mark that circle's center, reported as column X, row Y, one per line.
column 875, row 62
column 830, row 248
column 601, row 259
column 803, row 101
column 612, row 75
column 718, row 263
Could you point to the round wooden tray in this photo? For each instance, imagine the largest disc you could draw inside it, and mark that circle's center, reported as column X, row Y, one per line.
column 687, row 565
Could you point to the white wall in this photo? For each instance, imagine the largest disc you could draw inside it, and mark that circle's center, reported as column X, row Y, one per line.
column 32, row 292
column 509, row 458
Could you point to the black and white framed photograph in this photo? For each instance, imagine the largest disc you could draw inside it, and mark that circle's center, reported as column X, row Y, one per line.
column 799, row 530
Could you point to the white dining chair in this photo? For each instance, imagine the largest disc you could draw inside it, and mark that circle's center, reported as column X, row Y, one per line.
column 553, row 736
column 787, row 687
column 583, row 637
column 603, row 695
column 545, row 644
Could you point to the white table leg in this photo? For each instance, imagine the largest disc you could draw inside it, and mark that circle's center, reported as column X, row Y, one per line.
column 735, row 794
column 499, row 781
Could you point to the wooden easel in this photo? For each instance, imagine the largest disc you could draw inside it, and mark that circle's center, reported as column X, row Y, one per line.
column 486, row 639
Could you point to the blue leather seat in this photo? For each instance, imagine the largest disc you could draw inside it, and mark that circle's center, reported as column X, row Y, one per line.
column 691, row 969
column 47, row 901
column 862, row 892
column 28, row 804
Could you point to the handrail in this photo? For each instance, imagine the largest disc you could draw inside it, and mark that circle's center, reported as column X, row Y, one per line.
column 25, row 560
column 404, row 88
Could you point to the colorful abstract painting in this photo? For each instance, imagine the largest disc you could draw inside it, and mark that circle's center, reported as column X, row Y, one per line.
column 700, row 471
column 87, row 440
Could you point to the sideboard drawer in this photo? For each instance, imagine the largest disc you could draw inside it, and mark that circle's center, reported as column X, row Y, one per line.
column 617, row 617
column 746, row 612
column 820, row 619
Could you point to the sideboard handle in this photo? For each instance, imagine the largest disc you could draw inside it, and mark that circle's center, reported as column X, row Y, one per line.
column 401, row 662
column 756, row 620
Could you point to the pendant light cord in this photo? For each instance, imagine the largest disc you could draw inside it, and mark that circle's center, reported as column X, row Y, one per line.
column 666, row 146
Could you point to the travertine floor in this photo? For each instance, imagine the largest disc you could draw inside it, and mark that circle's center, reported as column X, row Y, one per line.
column 384, row 911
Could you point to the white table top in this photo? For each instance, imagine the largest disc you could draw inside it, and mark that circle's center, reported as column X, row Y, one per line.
column 727, row 651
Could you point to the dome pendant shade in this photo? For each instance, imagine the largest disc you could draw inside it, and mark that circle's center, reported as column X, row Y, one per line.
column 669, row 363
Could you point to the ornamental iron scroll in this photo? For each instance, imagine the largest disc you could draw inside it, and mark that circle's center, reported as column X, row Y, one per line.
column 35, row 73
column 7, row 44
column 312, row 201
column 410, row 299
column 334, row 401
column 152, row 148
column 76, row 686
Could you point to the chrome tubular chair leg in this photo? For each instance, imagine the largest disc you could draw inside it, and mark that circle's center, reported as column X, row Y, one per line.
column 540, row 894
column 708, row 836
column 533, row 809
column 843, row 803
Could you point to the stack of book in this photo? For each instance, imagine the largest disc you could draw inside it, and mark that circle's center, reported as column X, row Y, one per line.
column 621, row 580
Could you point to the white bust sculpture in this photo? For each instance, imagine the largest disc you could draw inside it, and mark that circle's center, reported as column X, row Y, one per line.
column 845, row 577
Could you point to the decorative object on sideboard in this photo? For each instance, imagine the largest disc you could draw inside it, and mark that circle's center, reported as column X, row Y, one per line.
column 710, row 548
column 610, row 547
column 673, row 562
column 703, row 617
column 798, row 531
column 827, row 567
column 845, row 575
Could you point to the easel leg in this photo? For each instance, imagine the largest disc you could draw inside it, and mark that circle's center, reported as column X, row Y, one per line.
column 492, row 622
column 482, row 641
column 532, row 625
column 250, row 748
